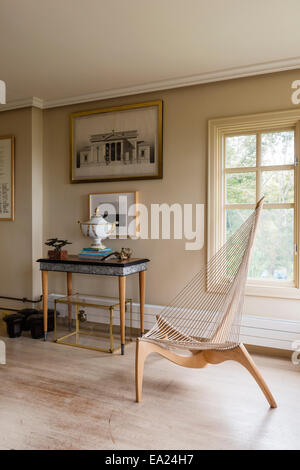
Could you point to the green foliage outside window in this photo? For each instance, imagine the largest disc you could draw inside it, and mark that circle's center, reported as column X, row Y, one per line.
column 272, row 257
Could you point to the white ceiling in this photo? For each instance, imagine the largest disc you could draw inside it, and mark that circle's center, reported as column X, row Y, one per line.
column 57, row 49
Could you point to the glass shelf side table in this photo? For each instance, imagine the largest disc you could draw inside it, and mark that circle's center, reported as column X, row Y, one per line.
column 83, row 328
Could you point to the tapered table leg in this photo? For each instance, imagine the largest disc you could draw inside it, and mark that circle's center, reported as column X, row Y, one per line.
column 142, row 283
column 69, row 290
column 45, row 301
column 122, row 289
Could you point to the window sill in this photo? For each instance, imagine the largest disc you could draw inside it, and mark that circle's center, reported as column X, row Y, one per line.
column 281, row 292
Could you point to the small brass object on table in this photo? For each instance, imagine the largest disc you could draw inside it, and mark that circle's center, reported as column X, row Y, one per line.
column 80, row 301
column 122, row 255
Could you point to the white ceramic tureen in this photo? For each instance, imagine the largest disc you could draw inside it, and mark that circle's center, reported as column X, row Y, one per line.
column 98, row 229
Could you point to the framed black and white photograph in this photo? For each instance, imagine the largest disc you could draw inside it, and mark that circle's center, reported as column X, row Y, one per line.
column 117, row 207
column 118, row 143
column 7, row 159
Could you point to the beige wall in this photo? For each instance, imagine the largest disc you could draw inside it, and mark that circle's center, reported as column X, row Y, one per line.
column 186, row 112
column 19, row 245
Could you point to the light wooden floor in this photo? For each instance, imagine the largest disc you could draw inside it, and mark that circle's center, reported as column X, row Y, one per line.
column 58, row 397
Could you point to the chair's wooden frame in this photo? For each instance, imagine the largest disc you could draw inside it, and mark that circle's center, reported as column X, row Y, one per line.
column 198, row 360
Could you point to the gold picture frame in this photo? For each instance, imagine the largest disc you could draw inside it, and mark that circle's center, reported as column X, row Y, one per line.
column 7, row 178
column 118, row 143
column 96, row 199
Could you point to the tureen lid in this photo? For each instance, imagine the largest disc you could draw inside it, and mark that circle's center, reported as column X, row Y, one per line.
column 97, row 219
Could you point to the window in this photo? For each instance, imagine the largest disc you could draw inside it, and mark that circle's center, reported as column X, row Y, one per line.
column 255, row 165
column 249, row 157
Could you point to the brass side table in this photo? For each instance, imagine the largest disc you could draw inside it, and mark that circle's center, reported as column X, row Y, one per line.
column 80, row 300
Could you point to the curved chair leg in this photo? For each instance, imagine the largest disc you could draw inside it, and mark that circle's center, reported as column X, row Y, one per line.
column 241, row 355
column 144, row 348
column 141, row 354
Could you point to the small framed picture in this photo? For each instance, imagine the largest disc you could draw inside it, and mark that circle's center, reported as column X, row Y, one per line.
column 7, row 190
column 116, row 144
column 117, row 207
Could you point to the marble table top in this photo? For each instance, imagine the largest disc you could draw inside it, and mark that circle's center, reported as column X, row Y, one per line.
column 110, row 267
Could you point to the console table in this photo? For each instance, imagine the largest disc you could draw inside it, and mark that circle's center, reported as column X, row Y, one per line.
column 113, row 267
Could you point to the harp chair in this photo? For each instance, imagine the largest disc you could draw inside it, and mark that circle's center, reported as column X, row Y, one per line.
column 202, row 324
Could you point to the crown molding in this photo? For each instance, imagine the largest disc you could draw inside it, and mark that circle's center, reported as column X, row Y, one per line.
column 226, row 74
column 23, row 103
column 216, row 76
column 37, row 102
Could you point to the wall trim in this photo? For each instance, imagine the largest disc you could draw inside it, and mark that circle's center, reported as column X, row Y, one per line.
column 256, row 331
column 23, row 103
column 215, row 76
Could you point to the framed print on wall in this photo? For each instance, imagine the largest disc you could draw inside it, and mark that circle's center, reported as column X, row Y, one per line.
column 117, row 207
column 7, row 158
column 117, row 144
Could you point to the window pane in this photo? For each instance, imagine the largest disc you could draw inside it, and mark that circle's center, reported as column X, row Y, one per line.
column 241, row 188
column 277, row 148
column 278, row 186
column 234, row 219
column 272, row 257
column 240, row 151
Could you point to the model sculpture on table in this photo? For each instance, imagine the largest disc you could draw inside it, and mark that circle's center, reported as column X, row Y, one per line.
column 57, row 252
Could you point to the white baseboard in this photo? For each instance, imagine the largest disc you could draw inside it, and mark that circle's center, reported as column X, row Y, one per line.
column 257, row 331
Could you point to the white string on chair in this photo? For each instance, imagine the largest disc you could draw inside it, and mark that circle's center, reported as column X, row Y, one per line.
column 207, row 313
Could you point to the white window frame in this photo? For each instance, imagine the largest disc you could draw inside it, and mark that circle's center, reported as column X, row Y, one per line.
column 218, row 130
